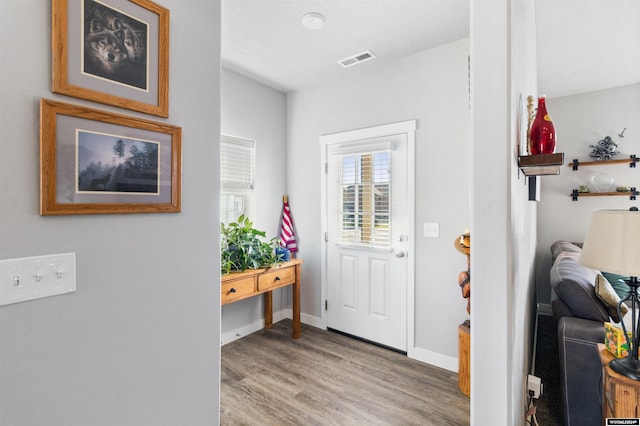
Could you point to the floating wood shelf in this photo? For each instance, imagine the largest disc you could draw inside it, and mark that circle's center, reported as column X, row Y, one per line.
column 632, row 160
column 541, row 164
column 631, row 194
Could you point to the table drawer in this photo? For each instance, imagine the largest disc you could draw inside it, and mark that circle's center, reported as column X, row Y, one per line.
column 276, row 278
column 238, row 288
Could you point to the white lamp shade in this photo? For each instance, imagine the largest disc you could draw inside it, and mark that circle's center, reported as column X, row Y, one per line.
column 612, row 243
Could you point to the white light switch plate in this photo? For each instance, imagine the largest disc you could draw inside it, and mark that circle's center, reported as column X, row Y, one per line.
column 432, row 229
column 29, row 278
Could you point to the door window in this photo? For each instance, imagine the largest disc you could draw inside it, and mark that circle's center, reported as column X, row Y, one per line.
column 364, row 199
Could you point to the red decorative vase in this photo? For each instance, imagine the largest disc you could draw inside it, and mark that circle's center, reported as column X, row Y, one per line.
column 542, row 138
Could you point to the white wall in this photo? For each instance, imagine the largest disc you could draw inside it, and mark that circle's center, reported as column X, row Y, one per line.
column 580, row 121
column 503, row 65
column 254, row 111
column 138, row 343
column 431, row 87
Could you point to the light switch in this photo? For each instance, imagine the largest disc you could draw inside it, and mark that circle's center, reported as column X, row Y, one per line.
column 432, row 229
column 29, row 278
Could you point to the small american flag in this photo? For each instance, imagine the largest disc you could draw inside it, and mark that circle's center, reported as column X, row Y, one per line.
column 287, row 234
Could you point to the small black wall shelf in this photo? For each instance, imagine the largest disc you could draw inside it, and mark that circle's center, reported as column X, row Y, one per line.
column 632, row 193
column 632, row 160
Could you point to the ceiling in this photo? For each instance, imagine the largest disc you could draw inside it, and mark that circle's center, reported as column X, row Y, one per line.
column 583, row 45
column 587, row 45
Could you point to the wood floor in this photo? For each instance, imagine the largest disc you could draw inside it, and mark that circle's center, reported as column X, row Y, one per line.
column 325, row 378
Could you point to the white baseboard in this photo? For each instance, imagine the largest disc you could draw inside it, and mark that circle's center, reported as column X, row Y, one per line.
column 429, row 357
column 245, row 330
column 305, row 319
column 241, row 332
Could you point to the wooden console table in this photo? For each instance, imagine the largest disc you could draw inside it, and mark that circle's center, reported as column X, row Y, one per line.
column 252, row 282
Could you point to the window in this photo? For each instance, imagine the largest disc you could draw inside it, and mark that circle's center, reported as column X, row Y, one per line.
column 364, row 198
column 237, row 172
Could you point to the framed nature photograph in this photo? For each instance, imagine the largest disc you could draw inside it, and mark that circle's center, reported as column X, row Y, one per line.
column 115, row 52
column 95, row 162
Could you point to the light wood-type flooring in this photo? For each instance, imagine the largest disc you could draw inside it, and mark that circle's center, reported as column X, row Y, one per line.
column 325, row 378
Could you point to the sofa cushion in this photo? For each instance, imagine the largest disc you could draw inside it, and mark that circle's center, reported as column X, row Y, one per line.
column 580, row 371
column 559, row 310
column 574, row 285
column 566, row 266
column 609, row 298
column 561, row 245
column 581, row 299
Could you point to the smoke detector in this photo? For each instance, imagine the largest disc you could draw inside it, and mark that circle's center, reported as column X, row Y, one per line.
column 313, row 20
column 357, row 59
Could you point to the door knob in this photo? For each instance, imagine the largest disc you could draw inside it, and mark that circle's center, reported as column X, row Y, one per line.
column 401, row 254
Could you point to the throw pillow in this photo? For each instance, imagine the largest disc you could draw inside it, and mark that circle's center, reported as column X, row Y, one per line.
column 618, row 284
column 609, row 298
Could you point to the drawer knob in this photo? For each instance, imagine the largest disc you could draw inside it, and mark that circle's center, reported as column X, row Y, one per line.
column 277, row 278
column 233, row 290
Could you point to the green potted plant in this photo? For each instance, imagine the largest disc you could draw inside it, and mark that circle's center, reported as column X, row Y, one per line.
column 242, row 247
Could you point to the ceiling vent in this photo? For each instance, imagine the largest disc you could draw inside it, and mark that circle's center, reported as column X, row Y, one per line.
column 356, row 59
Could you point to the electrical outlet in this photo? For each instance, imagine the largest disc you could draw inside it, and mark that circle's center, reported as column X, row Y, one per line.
column 534, row 386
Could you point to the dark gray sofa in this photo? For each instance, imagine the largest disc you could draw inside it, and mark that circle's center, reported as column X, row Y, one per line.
column 579, row 315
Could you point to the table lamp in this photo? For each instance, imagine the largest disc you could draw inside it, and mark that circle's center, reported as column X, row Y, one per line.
column 612, row 245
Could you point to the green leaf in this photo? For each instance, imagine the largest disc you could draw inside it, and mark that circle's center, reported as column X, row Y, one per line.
column 242, row 248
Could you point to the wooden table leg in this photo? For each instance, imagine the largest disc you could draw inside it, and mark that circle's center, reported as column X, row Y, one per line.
column 464, row 363
column 268, row 310
column 296, row 330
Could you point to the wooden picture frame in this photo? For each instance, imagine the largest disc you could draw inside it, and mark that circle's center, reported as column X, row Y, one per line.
column 94, row 162
column 115, row 52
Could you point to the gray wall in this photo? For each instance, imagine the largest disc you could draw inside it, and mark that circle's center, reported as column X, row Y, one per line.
column 138, row 343
column 254, row 111
column 580, row 121
column 432, row 87
column 503, row 73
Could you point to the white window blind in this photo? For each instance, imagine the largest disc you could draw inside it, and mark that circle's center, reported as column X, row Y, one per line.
column 364, row 198
column 237, row 172
column 237, row 158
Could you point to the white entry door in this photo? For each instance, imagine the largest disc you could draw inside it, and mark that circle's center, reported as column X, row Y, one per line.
column 367, row 239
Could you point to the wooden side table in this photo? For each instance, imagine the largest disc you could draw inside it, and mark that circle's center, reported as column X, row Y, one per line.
column 621, row 395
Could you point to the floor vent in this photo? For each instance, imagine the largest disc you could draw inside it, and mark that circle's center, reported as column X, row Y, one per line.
column 356, row 59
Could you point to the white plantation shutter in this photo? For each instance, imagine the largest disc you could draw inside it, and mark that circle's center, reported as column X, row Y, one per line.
column 237, row 173
column 364, row 198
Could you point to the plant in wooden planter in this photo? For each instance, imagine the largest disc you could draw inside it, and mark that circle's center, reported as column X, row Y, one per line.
column 242, row 247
